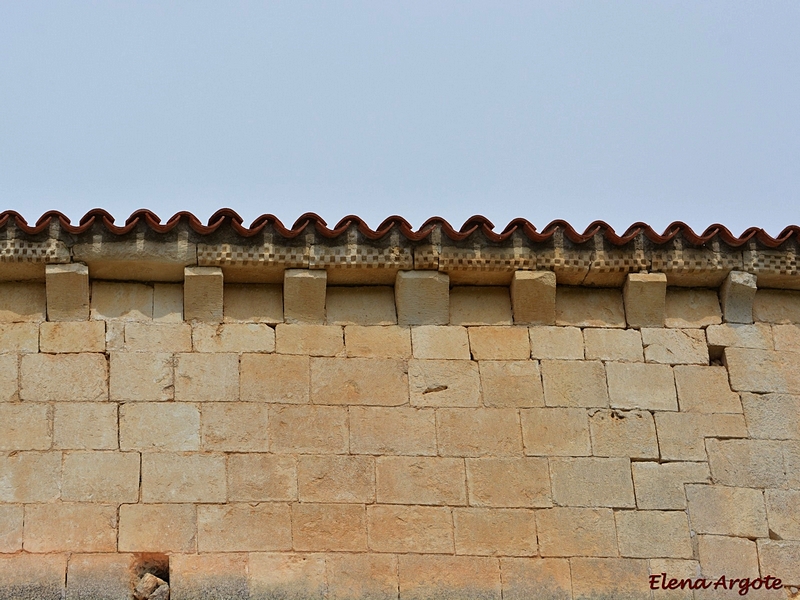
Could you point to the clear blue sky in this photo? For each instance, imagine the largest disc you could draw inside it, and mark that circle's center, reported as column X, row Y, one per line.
column 621, row 111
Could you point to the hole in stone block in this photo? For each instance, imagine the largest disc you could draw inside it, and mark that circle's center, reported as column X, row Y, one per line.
column 153, row 563
column 715, row 355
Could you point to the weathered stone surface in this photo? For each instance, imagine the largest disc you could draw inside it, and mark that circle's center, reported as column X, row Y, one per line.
column 362, row 576
column 313, row 340
column 791, row 460
column 782, row 513
column 308, row 429
column 480, row 305
column 763, row 371
column 57, row 377
column 365, row 381
column 115, row 335
column 659, row 486
column 9, row 377
column 377, row 342
column 681, row 435
column 787, row 338
column 756, row 335
column 252, row 303
column 32, row 577
column 675, row 346
column 508, row 482
column 168, row 302
column 26, row 302
column 19, row 337
column 588, row 307
column 62, row 527
column 159, row 426
column 736, row 296
column 780, row 559
column 592, row 482
column 168, row 477
column 576, row 532
column 304, row 295
column 361, row 305
column 617, row 578
column 556, row 432
column 233, row 427
column 507, row 383
column 207, row 378
column 421, row 480
column 203, row 576
column 67, row 292
column 731, row 511
column 540, row 578
column 141, row 376
column 777, row 306
column 30, row 476
column 692, row 308
column 495, row 531
column 746, row 463
column 705, row 390
column 261, row 478
column 329, row 527
column 644, row 295
column 533, row 297
column 574, row 383
column 478, row 432
column 721, row 555
column 624, row 434
column 124, row 301
column 644, row 386
column 614, row 344
column 422, row 298
column 499, row 343
column 202, row 294
column 564, row 343
column 95, row 576
column 677, row 569
column 336, row 479
column 423, row 529
column 157, row 528
column 772, row 416
column 287, row 576
column 437, row 342
column 275, row 378
column 111, row 477
column 397, row 430
column 444, row 383
column 10, row 529
column 233, row 337
column 146, row 586
column 456, row 577
column 72, row 336
column 243, row 527
column 652, row 533
column 24, row 426
column 158, row 337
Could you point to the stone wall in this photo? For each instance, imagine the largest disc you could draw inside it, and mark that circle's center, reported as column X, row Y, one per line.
column 304, row 441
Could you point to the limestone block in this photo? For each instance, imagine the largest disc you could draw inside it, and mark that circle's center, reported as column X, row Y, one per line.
column 480, row 305
column 335, row 478
column 756, row 335
column 777, row 306
column 308, row 429
column 9, row 377
column 287, row 576
column 140, row 376
column 168, row 477
column 508, row 482
column 196, row 576
column 233, row 426
column 659, row 486
column 435, row 342
column 365, row 381
column 746, row 463
column 111, row 477
column 556, row 432
column 623, row 433
column 643, row 534
column 645, row 386
column 725, row 555
column 736, row 296
column 787, row 338
column 681, row 435
column 30, row 476
column 19, row 337
column 675, row 346
column 57, row 377
column 243, row 527
column 397, row 430
column 329, row 527
column 377, row 342
column 261, row 478
column 124, row 301
column 705, row 389
column 398, row 528
column 72, row 336
column 677, row 569
column 731, row 511
column 780, row 559
column 422, row 298
column 645, row 296
column 158, row 337
column 157, row 528
column 692, row 308
column 592, row 482
column 533, row 297
column 252, row 303
column 22, row 302
column 478, row 432
column 511, row 383
column 27, row 576
column 617, row 578
column 420, row 480
column 115, row 335
column 526, row 578
column 314, row 340
column 304, row 293
column 589, row 307
column 772, row 416
column 100, row 576
column 10, row 529
column 499, row 343
column 371, row 576
column 275, row 378
column 233, row 337
column 207, row 378
column 168, row 302
column 67, row 292
column 444, row 383
column 361, row 305
column 782, row 514
column 495, row 531
column 576, row 531
column 574, row 383
column 614, row 344
column 761, row 371
column 565, row 343
column 24, row 426
column 159, row 426
column 423, row 577
column 62, row 527
column 202, row 294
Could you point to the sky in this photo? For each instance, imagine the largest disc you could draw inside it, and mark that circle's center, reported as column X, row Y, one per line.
column 616, row 111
